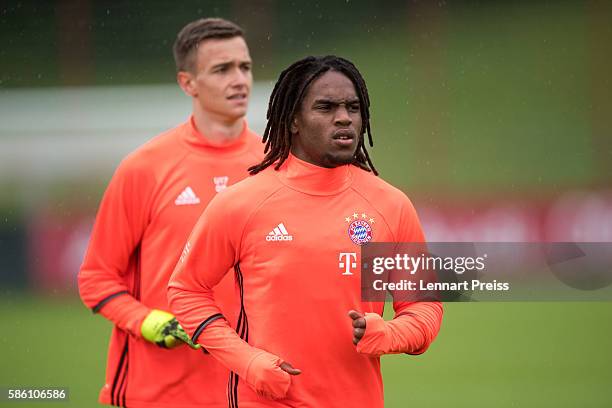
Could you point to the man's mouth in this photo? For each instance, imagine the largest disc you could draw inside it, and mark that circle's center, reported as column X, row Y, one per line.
column 237, row 97
column 344, row 135
column 344, row 138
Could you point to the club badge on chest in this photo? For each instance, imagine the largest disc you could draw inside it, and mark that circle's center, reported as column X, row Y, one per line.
column 360, row 228
column 220, row 183
column 359, row 232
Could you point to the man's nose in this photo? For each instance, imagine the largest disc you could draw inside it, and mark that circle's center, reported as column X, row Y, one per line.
column 343, row 117
column 240, row 78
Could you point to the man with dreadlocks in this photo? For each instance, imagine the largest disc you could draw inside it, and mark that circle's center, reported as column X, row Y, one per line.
column 284, row 232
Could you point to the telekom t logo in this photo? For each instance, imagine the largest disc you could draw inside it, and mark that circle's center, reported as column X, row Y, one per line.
column 347, row 260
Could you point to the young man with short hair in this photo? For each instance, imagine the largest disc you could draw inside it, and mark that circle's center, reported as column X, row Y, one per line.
column 292, row 233
column 151, row 204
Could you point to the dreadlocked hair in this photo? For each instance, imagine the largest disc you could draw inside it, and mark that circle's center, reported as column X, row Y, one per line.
column 286, row 99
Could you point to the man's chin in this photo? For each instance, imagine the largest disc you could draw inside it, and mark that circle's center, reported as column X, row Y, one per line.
column 340, row 159
column 235, row 114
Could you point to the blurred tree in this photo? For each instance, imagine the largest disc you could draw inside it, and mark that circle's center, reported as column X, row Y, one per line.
column 600, row 61
column 74, row 45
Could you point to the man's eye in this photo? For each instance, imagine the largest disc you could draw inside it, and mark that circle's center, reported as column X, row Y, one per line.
column 246, row 68
column 354, row 108
column 323, row 107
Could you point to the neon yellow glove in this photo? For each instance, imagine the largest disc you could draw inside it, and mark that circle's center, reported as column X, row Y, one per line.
column 163, row 329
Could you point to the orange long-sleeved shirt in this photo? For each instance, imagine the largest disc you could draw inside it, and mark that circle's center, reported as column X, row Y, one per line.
column 149, row 208
column 293, row 237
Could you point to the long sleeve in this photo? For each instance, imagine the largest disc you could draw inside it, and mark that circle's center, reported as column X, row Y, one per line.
column 416, row 323
column 411, row 331
column 106, row 278
column 208, row 255
column 260, row 369
column 126, row 312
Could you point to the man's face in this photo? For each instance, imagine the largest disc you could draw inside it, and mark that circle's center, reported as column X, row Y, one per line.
column 222, row 79
column 327, row 126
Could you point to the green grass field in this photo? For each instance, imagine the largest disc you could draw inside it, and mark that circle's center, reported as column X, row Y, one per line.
column 487, row 355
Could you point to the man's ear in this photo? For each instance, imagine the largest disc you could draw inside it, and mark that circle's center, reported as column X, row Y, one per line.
column 186, row 81
column 294, row 127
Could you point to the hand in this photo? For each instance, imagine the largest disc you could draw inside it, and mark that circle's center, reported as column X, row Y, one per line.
column 268, row 376
column 163, row 329
column 373, row 342
column 359, row 325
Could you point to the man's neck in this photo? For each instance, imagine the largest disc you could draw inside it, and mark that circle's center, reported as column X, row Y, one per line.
column 217, row 130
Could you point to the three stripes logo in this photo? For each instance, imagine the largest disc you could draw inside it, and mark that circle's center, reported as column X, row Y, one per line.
column 279, row 233
column 187, row 197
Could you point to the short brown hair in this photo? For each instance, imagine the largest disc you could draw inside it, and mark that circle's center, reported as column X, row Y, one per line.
column 190, row 37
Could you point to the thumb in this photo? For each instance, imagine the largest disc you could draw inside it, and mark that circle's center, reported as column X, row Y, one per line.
column 353, row 314
column 288, row 368
column 179, row 333
column 192, row 344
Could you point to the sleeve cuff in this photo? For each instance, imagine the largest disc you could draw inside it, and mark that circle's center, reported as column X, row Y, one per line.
column 374, row 341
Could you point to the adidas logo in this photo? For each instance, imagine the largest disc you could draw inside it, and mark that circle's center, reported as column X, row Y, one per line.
column 187, row 197
column 279, row 234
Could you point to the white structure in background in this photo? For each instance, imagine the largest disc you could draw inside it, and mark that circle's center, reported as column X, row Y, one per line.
column 59, row 133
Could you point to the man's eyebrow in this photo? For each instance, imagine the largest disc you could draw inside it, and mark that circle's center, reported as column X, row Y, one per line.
column 222, row 64
column 230, row 63
column 336, row 101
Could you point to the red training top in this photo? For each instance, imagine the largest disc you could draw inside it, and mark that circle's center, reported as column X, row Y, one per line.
column 289, row 235
column 150, row 206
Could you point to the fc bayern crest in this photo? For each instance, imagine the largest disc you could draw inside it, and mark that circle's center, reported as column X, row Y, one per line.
column 360, row 232
column 360, row 228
